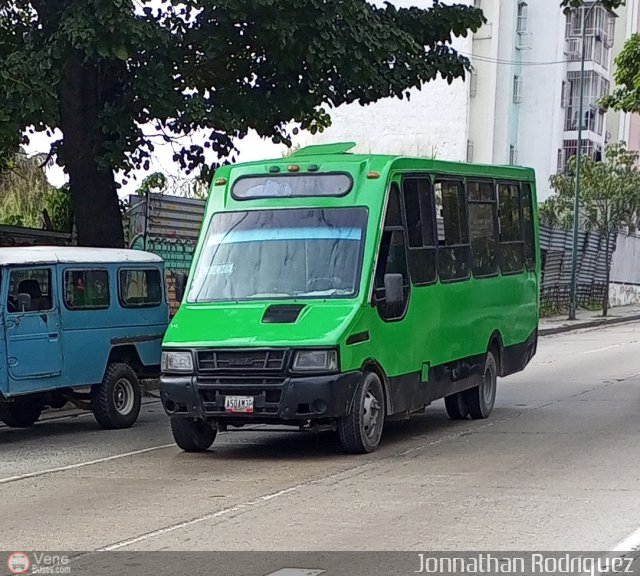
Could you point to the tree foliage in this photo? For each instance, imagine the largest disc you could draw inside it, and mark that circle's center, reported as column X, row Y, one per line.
column 609, row 196
column 107, row 73
column 568, row 5
column 609, row 191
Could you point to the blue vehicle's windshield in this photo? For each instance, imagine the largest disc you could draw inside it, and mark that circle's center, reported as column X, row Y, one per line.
column 293, row 253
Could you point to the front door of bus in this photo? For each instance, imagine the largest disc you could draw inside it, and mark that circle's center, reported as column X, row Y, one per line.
column 32, row 329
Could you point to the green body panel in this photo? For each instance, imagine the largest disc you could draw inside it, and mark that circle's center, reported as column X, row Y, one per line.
column 443, row 322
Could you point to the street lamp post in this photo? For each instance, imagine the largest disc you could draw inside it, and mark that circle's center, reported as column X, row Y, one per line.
column 576, row 203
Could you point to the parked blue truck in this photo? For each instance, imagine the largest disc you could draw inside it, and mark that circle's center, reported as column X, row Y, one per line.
column 80, row 325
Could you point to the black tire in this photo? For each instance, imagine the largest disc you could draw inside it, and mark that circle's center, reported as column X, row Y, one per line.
column 456, row 406
column 360, row 431
column 481, row 399
column 193, row 435
column 116, row 401
column 20, row 414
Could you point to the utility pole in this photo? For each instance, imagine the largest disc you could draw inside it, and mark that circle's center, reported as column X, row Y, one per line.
column 576, row 204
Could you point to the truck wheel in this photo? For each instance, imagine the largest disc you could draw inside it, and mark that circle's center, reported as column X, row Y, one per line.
column 192, row 435
column 456, row 406
column 360, row 431
column 481, row 399
column 20, row 414
column 116, row 400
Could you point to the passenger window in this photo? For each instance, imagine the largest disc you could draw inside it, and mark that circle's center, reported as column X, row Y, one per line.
column 30, row 290
column 140, row 288
column 418, row 213
column 511, row 240
column 392, row 259
column 86, row 289
column 482, row 228
column 527, row 222
column 453, row 230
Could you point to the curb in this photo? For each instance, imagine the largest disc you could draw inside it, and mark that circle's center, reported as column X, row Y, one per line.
column 588, row 324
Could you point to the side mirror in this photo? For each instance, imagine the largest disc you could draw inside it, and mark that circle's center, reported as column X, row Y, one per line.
column 181, row 282
column 393, row 289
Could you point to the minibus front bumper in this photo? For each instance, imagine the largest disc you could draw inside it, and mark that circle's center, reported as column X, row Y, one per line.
column 297, row 398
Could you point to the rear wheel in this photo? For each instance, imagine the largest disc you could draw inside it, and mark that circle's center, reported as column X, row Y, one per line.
column 20, row 414
column 192, row 435
column 361, row 430
column 482, row 398
column 117, row 399
column 456, row 406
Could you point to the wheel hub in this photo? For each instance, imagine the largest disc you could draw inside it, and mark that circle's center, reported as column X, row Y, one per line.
column 123, row 396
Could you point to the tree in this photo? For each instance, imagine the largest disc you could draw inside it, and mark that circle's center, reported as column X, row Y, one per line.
column 103, row 71
column 568, row 5
column 24, row 190
column 609, row 194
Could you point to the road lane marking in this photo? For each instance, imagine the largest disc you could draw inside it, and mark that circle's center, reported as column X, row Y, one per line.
column 602, row 349
column 82, row 464
column 248, row 504
column 296, row 572
column 630, row 544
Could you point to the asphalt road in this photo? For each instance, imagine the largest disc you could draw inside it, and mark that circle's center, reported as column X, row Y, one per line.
column 557, row 466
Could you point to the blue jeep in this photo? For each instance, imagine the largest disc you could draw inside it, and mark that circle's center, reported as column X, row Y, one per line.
column 79, row 325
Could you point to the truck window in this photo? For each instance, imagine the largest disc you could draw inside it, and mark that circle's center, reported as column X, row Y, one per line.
column 418, row 213
column 453, row 230
column 482, row 228
column 511, row 239
column 392, row 258
column 527, row 221
column 86, row 289
column 29, row 290
column 140, row 288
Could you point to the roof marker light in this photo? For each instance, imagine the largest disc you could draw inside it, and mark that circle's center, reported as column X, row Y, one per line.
column 274, row 169
column 293, row 168
column 373, row 175
column 221, row 182
column 313, row 168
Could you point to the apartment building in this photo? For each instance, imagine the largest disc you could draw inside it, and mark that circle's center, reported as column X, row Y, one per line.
column 521, row 103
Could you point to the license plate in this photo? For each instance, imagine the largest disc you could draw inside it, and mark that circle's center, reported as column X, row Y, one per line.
column 238, row 404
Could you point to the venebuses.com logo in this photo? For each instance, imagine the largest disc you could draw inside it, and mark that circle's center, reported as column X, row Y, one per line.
column 18, row 563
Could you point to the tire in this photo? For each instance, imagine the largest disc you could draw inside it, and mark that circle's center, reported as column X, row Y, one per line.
column 360, row 431
column 482, row 398
column 192, row 435
column 456, row 406
column 117, row 399
column 20, row 414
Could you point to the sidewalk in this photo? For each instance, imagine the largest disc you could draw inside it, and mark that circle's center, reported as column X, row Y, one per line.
column 588, row 319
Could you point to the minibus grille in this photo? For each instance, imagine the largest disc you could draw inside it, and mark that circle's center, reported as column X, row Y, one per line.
column 242, row 361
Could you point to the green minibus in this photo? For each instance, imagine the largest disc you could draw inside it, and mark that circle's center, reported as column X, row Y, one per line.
column 332, row 290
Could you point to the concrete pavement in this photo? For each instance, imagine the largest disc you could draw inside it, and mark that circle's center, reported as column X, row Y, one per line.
column 588, row 319
column 555, row 467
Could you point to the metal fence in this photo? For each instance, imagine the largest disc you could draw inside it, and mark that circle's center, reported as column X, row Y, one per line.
column 556, row 248
column 167, row 226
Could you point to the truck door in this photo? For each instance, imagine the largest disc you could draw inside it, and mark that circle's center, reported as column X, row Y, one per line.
column 32, row 328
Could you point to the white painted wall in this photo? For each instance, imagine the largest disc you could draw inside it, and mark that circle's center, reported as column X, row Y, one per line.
column 432, row 123
column 541, row 122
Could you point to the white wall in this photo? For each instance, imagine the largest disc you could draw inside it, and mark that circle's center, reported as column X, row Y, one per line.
column 541, row 122
column 432, row 123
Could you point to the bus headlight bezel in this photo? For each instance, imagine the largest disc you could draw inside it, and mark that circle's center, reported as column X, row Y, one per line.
column 177, row 362
column 324, row 360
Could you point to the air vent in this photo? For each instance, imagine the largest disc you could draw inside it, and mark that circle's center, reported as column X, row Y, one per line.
column 282, row 313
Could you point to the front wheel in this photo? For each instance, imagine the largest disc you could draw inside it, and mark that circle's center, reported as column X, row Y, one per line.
column 481, row 399
column 192, row 435
column 20, row 414
column 117, row 399
column 360, row 431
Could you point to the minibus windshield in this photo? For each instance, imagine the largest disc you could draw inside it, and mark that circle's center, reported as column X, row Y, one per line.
column 284, row 253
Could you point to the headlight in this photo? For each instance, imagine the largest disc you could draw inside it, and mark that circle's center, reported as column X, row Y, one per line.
column 316, row 361
column 177, row 361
